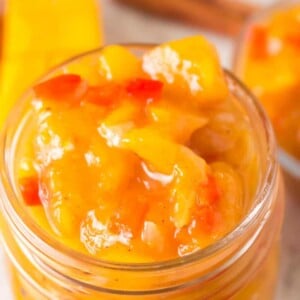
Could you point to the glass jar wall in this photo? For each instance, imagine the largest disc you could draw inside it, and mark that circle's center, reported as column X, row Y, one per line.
column 242, row 265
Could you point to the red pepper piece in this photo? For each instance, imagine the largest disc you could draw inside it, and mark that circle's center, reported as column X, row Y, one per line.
column 66, row 87
column 145, row 89
column 30, row 190
column 105, row 95
column 259, row 42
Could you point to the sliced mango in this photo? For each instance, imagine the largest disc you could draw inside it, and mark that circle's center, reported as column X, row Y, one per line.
column 189, row 170
column 152, row 147
column 232, row 194
column 57, row 147
column 174, row 124
column 162, row 154
column 118, row 63
column 118, row 122
column 190, row 66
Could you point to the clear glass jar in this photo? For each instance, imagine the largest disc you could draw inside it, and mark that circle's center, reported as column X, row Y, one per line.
column 242, row 265
column 290, row 164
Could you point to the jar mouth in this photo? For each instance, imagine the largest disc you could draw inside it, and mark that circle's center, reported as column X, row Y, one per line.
column 48, row 244
column 289, row 162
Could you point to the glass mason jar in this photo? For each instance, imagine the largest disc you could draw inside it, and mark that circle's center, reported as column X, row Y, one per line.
column 289, row 162
column 242, row 265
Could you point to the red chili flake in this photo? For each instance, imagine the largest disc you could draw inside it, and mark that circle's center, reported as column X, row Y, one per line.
column 145, row 89
column 66, row 87
column 106, row 94
column 30, row 190
column 258, row 40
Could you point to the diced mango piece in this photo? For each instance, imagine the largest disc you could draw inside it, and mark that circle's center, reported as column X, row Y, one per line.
column 162, row 154
column 62, row 191
column 126, row 112
column 189, row 66
column 157, row 231
column 191, row 173
column 118, row 63
column 113, row 168
column 58, row 144
column 152, row 147
column 167, row 157
column 231, row 192
column 118, row 122
column 176, row 125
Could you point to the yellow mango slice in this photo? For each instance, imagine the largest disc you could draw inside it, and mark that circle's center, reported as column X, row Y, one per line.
column 189, row 66
column 57, row 146
column 40, row 34
column 126, row 112
column 189, row 170
column 118, row 122
column 154, row 148
column 230, row 184
column 164, row 155
column 118, row 63
column 176, row 125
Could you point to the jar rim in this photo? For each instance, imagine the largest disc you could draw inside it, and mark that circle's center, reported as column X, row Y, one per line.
column 289, row 163
column 48, row 244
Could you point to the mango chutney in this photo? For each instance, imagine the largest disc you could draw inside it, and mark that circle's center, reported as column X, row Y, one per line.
column 268, row 62
column 146, row 175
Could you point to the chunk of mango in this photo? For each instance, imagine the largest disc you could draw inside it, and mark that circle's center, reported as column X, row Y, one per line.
column 118, row 63
column 189, row 170
column 189, row 66
column 176, row 125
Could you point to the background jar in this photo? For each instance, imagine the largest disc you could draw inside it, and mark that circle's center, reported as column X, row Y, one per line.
column 242, row 265
column 290, row 164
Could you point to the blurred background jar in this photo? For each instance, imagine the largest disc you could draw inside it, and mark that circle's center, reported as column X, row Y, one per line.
column 268, row 60
column 38, row 35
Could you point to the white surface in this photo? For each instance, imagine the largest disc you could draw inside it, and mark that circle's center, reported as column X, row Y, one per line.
column 5, row 291
column 126, row 25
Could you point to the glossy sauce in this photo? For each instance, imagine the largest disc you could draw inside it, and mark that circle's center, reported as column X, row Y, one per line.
column 143, row 161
